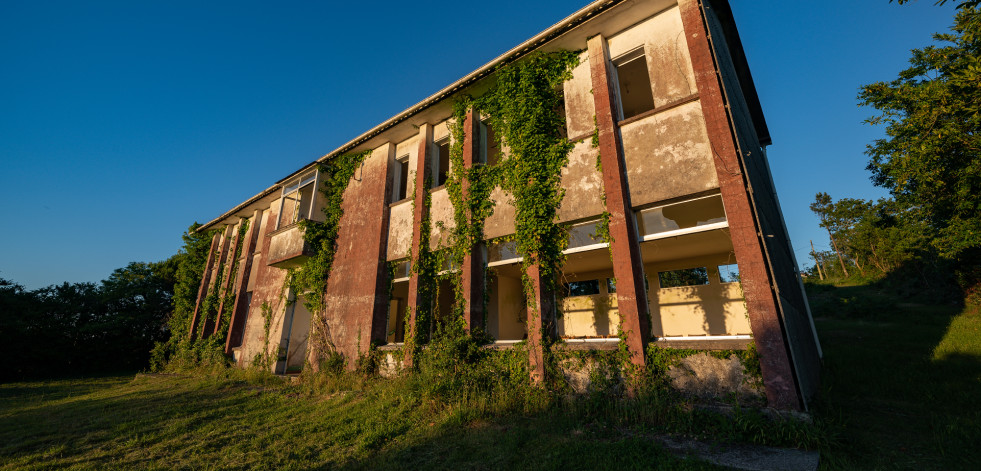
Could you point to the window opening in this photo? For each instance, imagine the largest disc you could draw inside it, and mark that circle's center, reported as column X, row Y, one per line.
column 729, row 273
column 684, row 277
column 633, row 84
column 442, row 169
column 297, row 201
column 582, row 288
column 611, row 285
column 707, row 211
column 401, row 179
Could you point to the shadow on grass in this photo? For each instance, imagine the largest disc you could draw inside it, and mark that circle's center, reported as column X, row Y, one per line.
column 897, row 405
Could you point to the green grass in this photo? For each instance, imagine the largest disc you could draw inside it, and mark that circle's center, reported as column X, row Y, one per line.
column 235, row 422
column 901, row 388
column 901, row 381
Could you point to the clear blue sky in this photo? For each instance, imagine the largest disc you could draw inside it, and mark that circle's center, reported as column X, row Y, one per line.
column 121, row 123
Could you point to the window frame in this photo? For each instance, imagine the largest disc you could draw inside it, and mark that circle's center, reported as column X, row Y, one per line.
column 296, row 185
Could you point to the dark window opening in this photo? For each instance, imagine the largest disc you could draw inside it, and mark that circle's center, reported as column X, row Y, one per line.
column 634, row 86
column 683, row 277
column 442, row 162
column 611, row 285
column 402, row 189
column 582, row 288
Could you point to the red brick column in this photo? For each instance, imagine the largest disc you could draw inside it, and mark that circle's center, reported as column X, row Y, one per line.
column 227, row 239
column 241, row 308
column 421, row 211
column 778, row 377
column 227, row 281
column 540, row 315
column 205, row 282
column 628, row 266
column 472, row 271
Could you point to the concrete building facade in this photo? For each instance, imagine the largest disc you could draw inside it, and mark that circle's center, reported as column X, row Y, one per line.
column 700, row 256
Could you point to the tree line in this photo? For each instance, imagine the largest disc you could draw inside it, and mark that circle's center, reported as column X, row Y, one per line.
column 105, row 327
column 928, row 230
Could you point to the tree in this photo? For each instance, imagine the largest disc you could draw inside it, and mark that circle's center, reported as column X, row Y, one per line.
column 822, row 206
column 931, row 158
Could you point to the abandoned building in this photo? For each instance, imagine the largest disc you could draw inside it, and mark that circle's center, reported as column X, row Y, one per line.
column 700, row 257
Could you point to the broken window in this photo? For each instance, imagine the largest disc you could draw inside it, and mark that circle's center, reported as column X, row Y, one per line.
column 441, row 163
column 297, row 201
column 611, row 285
column 633, row 84
column 400, row 192
column 683, row 277
column 584, row 235
column 689, row 214
column 729, row 273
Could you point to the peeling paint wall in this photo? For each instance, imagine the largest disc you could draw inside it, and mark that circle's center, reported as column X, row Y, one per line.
column 668, row 155
column 668, row 59
column 579, row 106
column 583, row 184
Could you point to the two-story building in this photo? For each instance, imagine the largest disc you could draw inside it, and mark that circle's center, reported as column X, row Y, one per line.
column 700, row 256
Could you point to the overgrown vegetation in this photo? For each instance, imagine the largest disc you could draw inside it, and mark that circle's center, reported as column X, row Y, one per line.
column 521, row 109
column 311, row 278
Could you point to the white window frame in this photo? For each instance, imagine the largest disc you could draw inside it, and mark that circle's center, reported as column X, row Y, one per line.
column 296, row 185
column 399, row 177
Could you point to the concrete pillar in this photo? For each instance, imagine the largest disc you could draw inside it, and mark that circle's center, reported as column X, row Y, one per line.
column 205, row 282
column 472, row 270
column 541, row 325
column 628, row 266
column 778, row 377
column 240, row 309
column 356, row 299
column 226, row 241
column 421, row 212
column 227, row 282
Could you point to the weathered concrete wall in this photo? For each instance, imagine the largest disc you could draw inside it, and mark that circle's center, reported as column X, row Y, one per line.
column 668, row 59
column 286, row 247
column 400, row 230
column 357, row 291
column 440, row 218
column 583, row 184
column 400, row 215
column 268, row 291
column 579, row 101
column 501, row 221
column 589, row 316
column 668, row 155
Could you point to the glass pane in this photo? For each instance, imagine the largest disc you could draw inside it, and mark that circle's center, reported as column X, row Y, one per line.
column 497, row 251
column 582, row 288
column 729, row 273
column 401, row 269
column 684, row 215
column 684, row 277
column 582, row 235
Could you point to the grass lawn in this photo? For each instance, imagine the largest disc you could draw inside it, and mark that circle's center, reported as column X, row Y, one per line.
column 194, row 422
column 901, row 388
column 901, row 381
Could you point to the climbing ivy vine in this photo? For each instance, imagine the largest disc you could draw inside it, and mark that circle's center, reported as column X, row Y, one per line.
column 521, row 106
column 312, row 276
